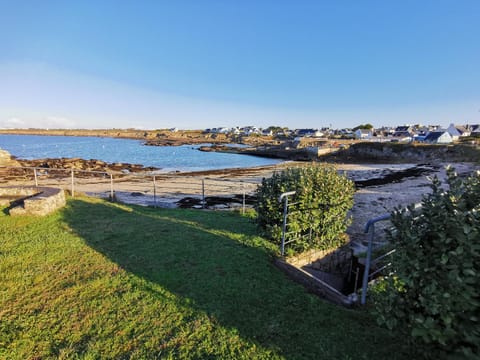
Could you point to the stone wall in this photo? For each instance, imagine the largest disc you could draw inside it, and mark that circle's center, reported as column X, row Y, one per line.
column 38, row 201
column 314, row 284
column 334, row 260
column 407, row 153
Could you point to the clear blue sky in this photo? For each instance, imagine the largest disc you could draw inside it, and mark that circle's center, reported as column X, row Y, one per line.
column 195, row 64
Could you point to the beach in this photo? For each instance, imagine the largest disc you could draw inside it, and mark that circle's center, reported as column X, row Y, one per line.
column 380, row 187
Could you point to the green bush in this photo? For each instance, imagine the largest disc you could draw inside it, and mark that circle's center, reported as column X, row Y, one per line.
column 433, row 292
column 323, row 198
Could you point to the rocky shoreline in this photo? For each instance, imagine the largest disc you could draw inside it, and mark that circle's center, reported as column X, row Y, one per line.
column 85, row 165
column 269, row 151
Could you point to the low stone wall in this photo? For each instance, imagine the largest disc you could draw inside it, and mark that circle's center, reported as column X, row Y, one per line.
column 331, row 260
column 38, row 201
column 315, row 285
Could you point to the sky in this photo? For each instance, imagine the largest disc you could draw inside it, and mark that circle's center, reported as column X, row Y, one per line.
column 197, row 64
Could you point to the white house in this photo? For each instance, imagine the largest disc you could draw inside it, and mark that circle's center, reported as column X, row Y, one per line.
column 438, row 137
column 458, row 131
column 363, row 134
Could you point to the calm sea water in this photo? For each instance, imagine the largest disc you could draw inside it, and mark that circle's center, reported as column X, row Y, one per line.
column 168, row 158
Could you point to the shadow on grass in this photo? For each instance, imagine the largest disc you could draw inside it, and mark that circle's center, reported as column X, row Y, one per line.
column 214, row 262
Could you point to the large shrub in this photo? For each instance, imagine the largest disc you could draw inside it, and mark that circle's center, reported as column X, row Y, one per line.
column 323, row 198
column 433, row 293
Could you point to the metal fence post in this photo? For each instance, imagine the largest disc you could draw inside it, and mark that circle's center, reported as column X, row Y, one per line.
column 367, row 265
column 243, row 202
column 35, row 176
column 203, row 193
column 111, row 188
column 370, row 226
column 154, row 192
column 73, row 184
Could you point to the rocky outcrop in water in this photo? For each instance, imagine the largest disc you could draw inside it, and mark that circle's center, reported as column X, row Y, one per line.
column 275, row 152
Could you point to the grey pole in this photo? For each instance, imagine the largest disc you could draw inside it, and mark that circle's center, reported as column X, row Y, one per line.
column 111, row 187
column 367, row 265
column 370, row 224
column 73, row 184
column 154, row 191
column 35, row 175
column 243, row 203
column 203, row 193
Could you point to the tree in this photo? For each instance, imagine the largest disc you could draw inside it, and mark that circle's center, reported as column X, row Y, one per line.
column 276, row 129
column 363, row 127
column 433, row 292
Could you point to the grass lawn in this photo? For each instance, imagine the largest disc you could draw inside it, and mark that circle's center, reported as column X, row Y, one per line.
column 106, row 281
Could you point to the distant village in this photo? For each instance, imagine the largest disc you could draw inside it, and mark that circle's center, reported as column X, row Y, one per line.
column 430, row 134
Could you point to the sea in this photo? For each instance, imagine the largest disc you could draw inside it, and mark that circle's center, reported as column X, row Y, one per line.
column 113, row 150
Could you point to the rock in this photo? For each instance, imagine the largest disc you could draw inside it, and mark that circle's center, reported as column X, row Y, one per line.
column 220, row 207
column 80, row 164
column 6, row 159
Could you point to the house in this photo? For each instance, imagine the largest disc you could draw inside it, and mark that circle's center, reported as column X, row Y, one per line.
column 404, row 128
column 384, row 131
column 457, row 131
column 463, row 130
column 474, row 129
column 250, row 130
column 326, row 131
column 438, row 137
column 235, row 131
column 346, row 133
column 363, row 134
column 422, row 131
column 403, row 134
column 305, row 132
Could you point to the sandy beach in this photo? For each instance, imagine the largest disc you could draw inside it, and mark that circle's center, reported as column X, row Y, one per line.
column 380, row 187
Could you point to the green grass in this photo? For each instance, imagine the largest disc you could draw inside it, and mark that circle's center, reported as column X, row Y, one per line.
column 105, row 281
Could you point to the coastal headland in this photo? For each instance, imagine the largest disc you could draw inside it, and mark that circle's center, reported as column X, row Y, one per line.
column 160, row 137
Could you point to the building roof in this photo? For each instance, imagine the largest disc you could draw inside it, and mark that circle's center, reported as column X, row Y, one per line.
column 434, row 136
column 403, row 128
